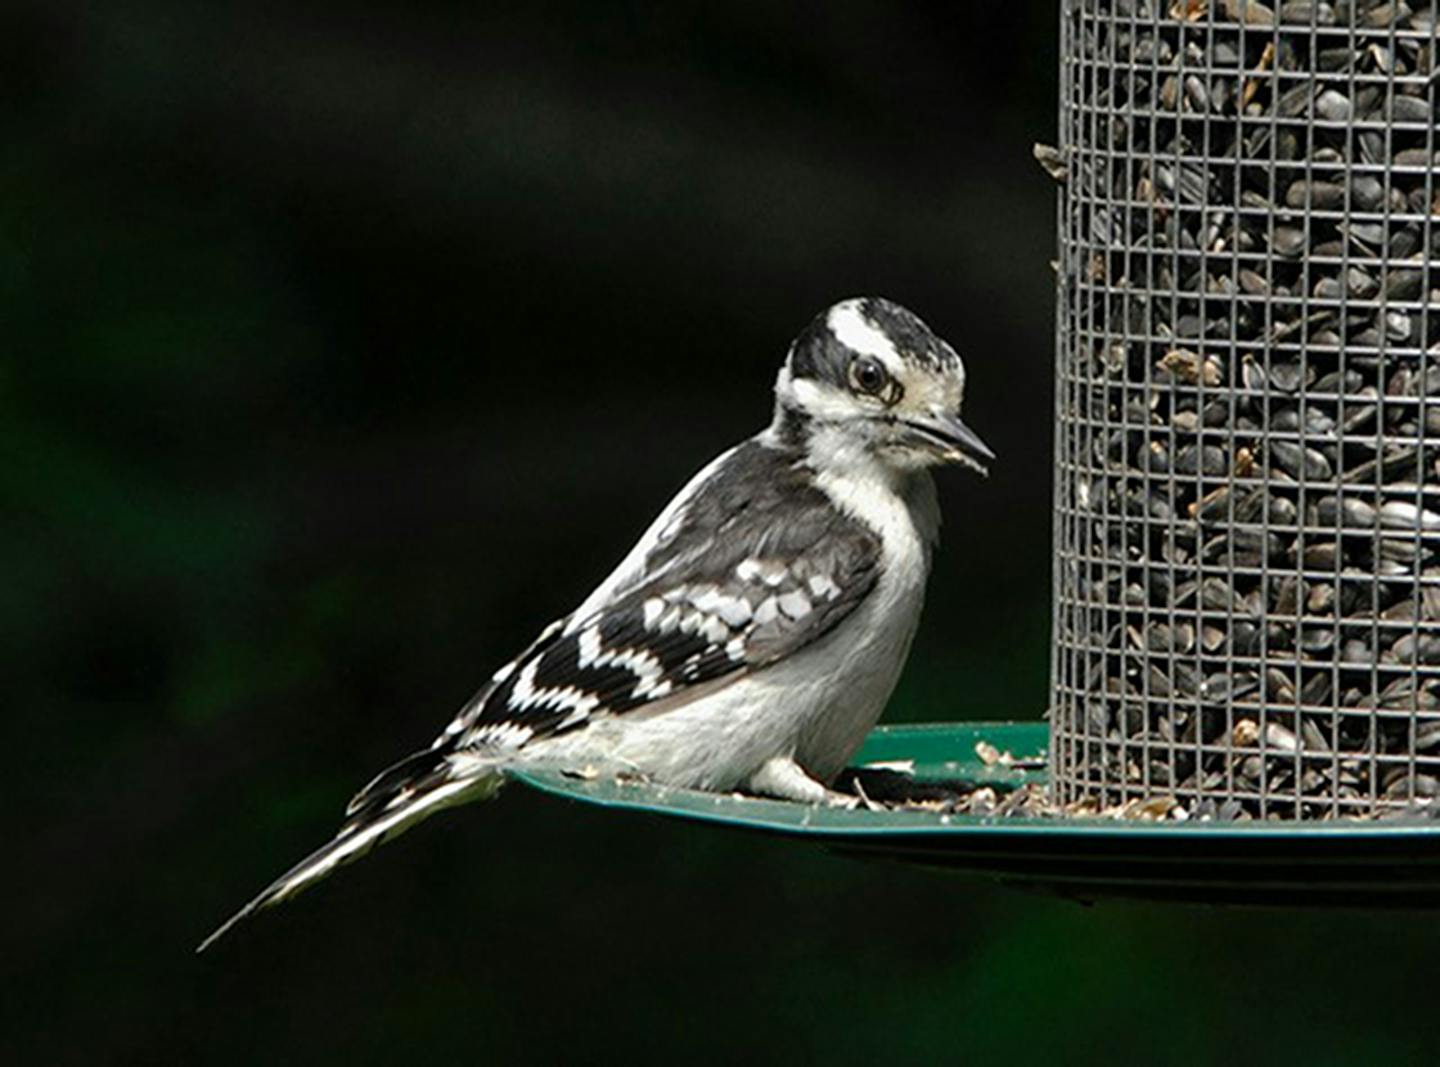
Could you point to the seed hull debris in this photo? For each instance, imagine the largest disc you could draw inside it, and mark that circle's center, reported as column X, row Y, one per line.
column 887, row 790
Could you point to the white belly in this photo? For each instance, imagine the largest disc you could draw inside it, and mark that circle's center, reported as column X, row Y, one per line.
column 862, row 677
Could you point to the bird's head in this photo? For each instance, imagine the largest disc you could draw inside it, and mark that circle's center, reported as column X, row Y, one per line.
column 868, row 381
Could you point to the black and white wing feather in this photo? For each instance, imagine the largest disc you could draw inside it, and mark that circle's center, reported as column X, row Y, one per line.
column 750, row 564
column 753, row 564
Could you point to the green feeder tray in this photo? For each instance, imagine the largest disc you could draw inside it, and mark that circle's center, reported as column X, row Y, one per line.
column 1391, row 863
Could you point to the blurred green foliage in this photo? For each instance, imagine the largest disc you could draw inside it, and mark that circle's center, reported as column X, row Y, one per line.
column 342, row 348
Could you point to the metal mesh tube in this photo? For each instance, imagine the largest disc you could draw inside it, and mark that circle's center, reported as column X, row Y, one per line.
column 1247, row 583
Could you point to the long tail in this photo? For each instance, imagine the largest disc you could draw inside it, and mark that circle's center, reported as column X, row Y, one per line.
column 401, row 796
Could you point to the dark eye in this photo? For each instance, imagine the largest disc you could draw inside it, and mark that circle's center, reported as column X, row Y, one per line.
column 868, row 376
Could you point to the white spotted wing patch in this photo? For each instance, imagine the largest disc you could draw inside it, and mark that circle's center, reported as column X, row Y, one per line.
column 633, row 653
column 823, row 587
column 500, row 735
column 794, row 604
column 649, row 672
column 760, row 564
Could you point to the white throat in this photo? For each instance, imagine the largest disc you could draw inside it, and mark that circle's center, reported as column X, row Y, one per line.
column 834, row 450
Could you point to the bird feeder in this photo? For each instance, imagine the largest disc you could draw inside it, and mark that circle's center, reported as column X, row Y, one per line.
column 1247, row 598
column 1246, row 642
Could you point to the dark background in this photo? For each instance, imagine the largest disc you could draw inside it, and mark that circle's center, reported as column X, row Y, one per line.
column 344, row 347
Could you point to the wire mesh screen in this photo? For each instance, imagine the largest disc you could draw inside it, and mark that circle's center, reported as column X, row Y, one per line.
column 1247, row 593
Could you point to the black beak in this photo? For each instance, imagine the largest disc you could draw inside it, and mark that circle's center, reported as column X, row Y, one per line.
column 956, row 442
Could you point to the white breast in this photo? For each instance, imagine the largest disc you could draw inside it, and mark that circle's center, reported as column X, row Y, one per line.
column 863, row 658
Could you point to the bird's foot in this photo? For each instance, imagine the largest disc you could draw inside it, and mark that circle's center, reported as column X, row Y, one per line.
column 784, row 779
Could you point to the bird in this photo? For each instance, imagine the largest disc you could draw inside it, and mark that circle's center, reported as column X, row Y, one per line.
column 752, row 637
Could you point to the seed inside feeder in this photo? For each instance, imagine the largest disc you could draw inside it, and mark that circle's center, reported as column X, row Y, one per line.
column 1248, row 557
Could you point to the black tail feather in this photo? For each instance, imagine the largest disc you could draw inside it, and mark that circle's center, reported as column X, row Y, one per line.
column 412, row 790
column 411, row 773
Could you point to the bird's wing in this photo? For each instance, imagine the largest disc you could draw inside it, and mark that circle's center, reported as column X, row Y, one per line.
column 754, row 564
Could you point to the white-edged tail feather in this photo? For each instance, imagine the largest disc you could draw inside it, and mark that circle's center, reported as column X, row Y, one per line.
column 374, row 821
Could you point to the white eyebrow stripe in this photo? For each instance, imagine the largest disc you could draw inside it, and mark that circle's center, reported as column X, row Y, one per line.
column 857, row 333
column 818, row 399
